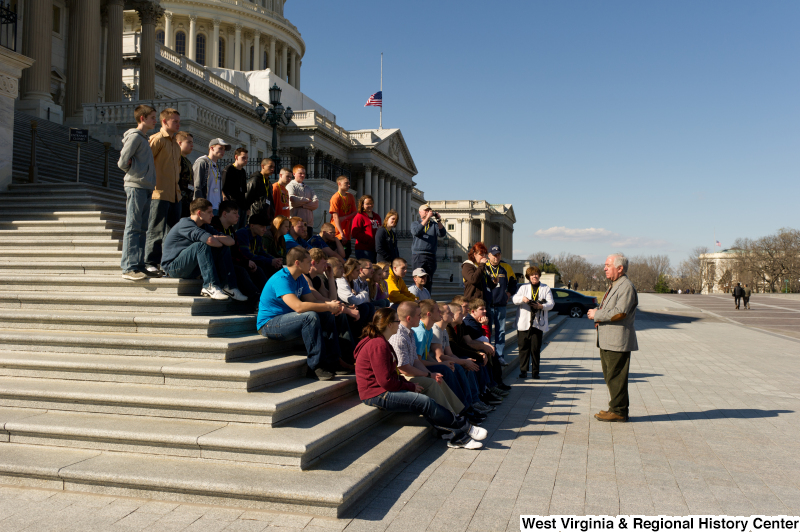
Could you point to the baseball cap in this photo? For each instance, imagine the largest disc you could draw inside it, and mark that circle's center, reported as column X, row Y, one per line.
column 419, row 272
column 495, row 250
column 425, row 207
column 219, row 142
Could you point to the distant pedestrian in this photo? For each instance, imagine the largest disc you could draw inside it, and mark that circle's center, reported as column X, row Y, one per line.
column 569, row 285
column 746, row 296
column 386, row 239
column 575, row 286
column 165, row 209
column 186, row 181
column 234, row 188
column 258, row 198
column 136, row 159
column 343, row 210
column 208, row 178
column 738, row 294
column 426, row 233
column 302, row 199
column 616, row 336
column 535, row 301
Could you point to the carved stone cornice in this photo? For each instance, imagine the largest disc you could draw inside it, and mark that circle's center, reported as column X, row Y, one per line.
column 217, row 21
column 149, row 12
column 168, row 14
column 238, row 27
column 193, row 17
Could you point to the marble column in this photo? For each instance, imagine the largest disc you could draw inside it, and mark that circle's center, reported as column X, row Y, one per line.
column 297, row 75
column 114, row 51
column 395, row 203
column 191, row 46
column 246, row 51
column 237, row 48
column 368, row 181
column 407, row 214
column 35, row 83
column 271, row 63
column 290, row 67
column 381, row 206
column 257, row 51
column 401, row 199
column 375, row 190
column 284, row 60
column 89, row 46
column 483, row 230
column 387, row 197
column 168, row 30
column 149, row 13
column 73, row 63
column 215, row 44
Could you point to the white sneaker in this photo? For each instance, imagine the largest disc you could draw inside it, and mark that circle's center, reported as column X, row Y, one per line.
column 236, row 294
column 502, row 360
column 465, row 443
column 214, row 293
column 477, row 433
column 153, row 269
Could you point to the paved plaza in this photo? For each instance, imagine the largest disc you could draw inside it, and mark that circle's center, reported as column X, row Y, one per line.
column 715, row 429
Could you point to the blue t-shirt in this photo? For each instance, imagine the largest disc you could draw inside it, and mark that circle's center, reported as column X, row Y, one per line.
column 422, row 339
column 317, row 241
column 279, row 285
column 292, row 243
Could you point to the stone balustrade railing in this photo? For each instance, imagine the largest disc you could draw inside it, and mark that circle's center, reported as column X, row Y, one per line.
column 312, row 118
column 122, row 113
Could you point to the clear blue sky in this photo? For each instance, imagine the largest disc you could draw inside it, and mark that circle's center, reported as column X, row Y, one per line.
column 614, row 125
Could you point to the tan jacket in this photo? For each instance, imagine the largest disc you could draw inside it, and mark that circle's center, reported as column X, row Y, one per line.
column 615, row 317
column 167, row 156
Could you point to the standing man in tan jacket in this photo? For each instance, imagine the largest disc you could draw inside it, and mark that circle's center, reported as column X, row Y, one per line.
column 616, row 336
column 165, row 207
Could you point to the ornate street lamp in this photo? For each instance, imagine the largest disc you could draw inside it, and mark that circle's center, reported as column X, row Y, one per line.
column 274, row 116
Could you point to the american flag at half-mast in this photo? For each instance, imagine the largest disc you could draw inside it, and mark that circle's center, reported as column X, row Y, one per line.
column 376, row 100
column 718, row 244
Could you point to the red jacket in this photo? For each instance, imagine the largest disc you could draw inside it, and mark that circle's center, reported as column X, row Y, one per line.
column 376, row 369
column 364, row 230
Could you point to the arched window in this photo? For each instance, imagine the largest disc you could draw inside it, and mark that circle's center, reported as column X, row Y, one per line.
column 160, row 37
column 251, row 64
column 200, row 50
column 221, row 53
column 180, row 43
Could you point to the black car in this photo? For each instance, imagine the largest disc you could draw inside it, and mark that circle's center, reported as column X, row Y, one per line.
column 571, row 302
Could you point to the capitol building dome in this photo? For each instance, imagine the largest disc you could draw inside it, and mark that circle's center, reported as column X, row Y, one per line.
column 231, row 34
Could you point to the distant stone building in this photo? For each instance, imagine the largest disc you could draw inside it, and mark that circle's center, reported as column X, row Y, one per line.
column 719, row 272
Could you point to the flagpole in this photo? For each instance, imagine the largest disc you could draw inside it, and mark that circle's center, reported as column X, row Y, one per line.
column 380, row 123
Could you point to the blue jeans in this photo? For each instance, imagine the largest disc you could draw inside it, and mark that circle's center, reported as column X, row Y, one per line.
column 163, row 216
column 406, row 401
column 497, row 321
column 251, row 283
column 318, row 330
column 366, row 254
column 137, row 217
column 469, row 382
column 213, row 264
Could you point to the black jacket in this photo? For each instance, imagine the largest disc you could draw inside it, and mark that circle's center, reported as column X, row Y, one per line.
column 258, row 197
column 386, row 245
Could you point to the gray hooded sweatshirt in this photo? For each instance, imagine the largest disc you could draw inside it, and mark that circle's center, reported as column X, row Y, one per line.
column 136, row 159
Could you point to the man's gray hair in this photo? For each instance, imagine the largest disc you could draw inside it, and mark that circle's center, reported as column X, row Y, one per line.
column 620, row 260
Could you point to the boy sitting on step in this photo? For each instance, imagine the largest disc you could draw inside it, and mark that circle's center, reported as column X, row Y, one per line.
column 193, row 247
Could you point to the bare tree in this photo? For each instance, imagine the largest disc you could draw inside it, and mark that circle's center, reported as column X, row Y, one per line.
column 690, row 274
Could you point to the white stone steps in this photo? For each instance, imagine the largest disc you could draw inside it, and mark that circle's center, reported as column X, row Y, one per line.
column 64, row 188
column 127, row 322
column 64, row 217
column 341, row 477
column 297, row 444
column 67, row 244
column 26, row 234
column 246, row 375
column 238, row 345
column 100, row 285
column 44, row 254
column 279, row 402
column 16, row 267
column 46, row 226
column 59, row 203
column 152, row 304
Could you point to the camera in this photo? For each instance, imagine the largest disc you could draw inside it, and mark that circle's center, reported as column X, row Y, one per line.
column 437, row 216
column 541, row 302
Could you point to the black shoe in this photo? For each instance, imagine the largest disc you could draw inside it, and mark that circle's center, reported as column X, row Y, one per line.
column 499, row 391
column 523, row 375
column 475, row 418
column 503, row 386
column 491, row 399
column 536, row 376
column 152, row 274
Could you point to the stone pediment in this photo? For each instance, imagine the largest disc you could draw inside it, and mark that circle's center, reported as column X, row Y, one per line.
column 394, row 146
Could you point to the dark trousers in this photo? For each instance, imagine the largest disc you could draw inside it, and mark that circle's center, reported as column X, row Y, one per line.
column 736, row 300
column 746, row 301
column 616, row 365
column 318, row 331
column 530, row 349
column 426, row 261
column 251, row 282
column 434, row 413
column 163, row 216
column 348, row 249
column 455, row 382
column 213, row 264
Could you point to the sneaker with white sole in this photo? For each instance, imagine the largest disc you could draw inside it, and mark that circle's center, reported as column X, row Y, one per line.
column 477, row 433
column 235, row 294
column 464, row 442
column 481, row 407
column 134, row 275
column 214, row 293
column 502, row 360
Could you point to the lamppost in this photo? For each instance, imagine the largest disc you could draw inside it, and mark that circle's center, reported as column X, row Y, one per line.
column 446, row 240
column 274, row 116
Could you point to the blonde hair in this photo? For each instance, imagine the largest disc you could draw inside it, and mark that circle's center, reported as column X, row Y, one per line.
column 168, row 113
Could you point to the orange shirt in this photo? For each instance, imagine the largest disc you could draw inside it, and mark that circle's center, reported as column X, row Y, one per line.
column 280, row 197
column 343, row 206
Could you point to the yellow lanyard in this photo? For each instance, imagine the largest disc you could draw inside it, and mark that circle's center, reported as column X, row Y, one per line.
column 492, row 269
column 427, row 226
column 345, row 204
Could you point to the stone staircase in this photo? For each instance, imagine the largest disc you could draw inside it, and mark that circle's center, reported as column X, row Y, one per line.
column 56, row 156
column 146, row 389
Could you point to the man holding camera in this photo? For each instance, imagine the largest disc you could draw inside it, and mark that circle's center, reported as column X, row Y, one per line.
column 426, row 233
column 535, row 301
